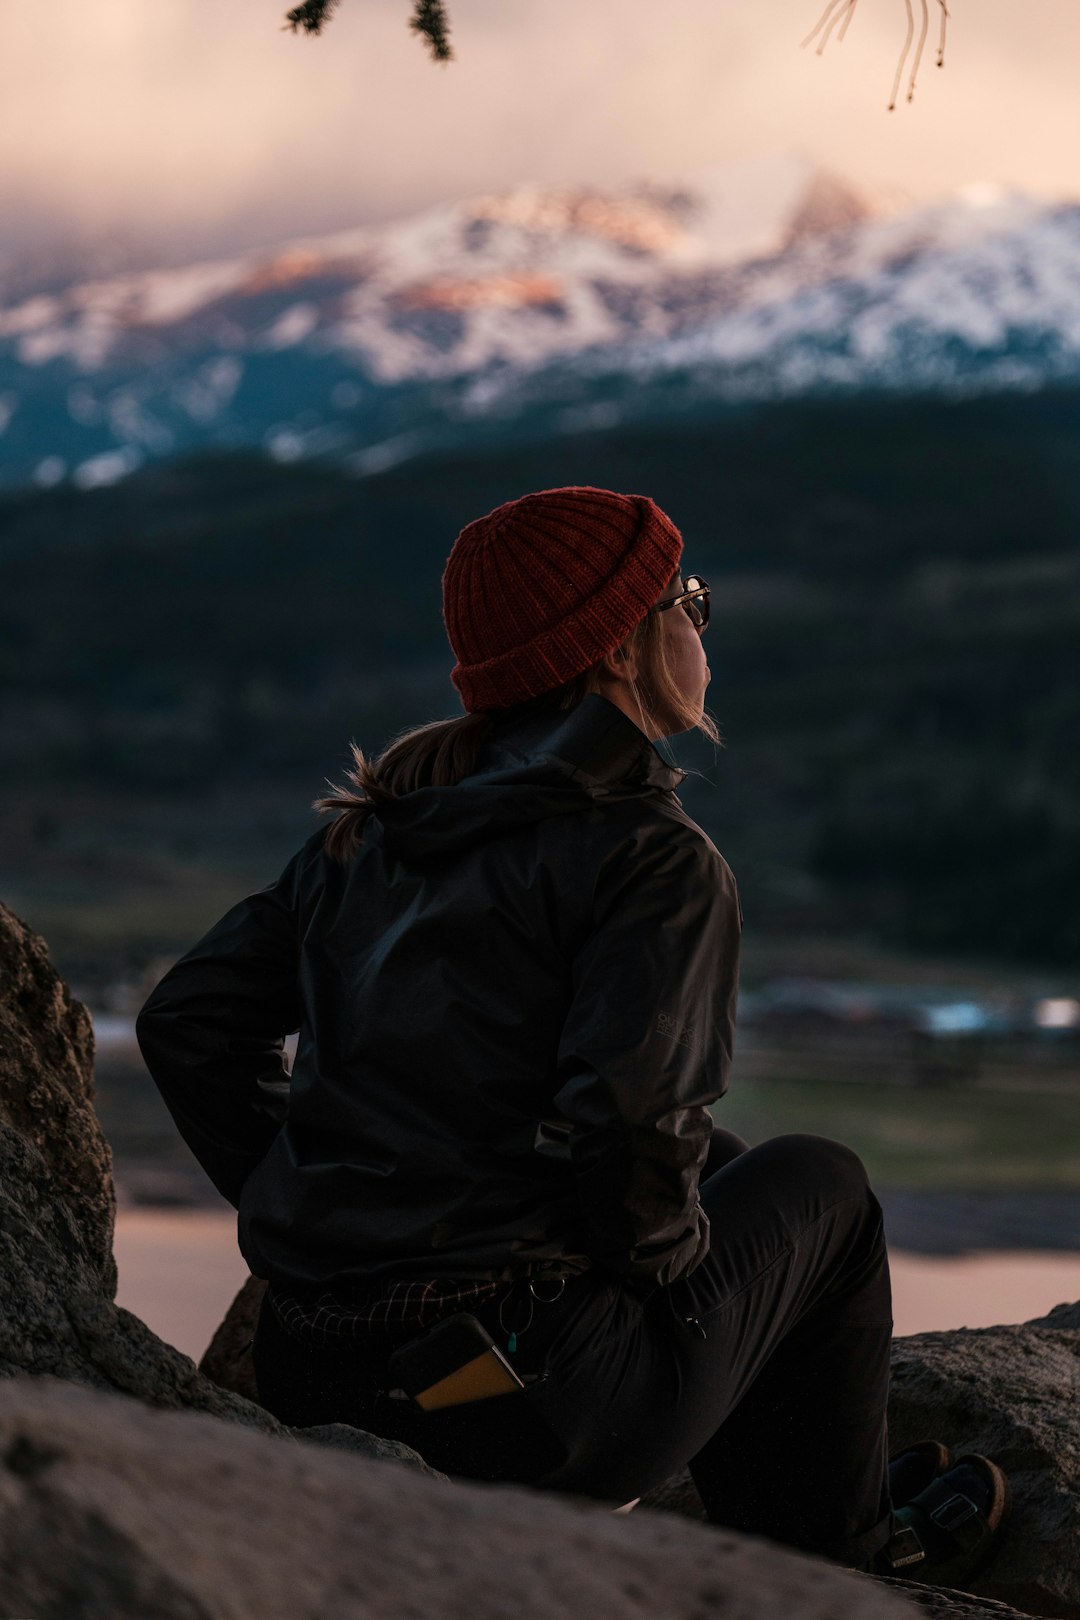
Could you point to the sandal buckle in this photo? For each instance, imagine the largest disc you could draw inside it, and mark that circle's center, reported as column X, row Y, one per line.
column 955, row 1516
column 904, row 1548
column 955, row 1511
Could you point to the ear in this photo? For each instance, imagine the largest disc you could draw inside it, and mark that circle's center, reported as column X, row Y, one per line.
column 620, row 665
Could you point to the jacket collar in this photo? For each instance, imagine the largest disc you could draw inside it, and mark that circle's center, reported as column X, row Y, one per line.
column 601, row 748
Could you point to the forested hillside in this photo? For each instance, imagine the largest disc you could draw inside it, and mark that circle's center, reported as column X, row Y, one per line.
column 895, row 650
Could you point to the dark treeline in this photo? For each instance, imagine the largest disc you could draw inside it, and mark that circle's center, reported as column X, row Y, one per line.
column 896, row 650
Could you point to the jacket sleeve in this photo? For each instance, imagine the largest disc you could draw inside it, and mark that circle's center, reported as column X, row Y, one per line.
column 212, row 1033
column 647, row 1048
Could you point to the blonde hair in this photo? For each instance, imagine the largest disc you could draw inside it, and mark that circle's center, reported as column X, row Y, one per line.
column 442, row 752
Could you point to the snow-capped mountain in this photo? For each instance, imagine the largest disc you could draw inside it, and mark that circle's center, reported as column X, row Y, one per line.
column 572, row 307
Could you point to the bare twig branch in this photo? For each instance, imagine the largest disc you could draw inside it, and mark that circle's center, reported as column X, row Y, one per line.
column 849, row 6
column 842, row 11
column 822, row 20
column 844, row 25
column 903, row 56
column 919, row 48
column 941, row 40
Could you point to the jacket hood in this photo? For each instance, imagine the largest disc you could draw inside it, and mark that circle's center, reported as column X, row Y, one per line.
column 533, row 766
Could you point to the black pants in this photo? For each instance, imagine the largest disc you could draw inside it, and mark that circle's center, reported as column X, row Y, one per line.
column 766, row 1371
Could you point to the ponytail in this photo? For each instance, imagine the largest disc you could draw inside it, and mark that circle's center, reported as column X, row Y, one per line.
column 436, row 755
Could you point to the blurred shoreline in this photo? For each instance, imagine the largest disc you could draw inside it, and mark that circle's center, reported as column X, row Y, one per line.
column 967, row 1165
column 180, row 1270
column 928, row 1221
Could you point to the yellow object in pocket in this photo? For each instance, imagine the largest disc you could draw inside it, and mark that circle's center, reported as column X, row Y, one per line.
column 456, row 1363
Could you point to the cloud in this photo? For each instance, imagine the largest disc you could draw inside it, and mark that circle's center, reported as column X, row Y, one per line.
column 203, row 123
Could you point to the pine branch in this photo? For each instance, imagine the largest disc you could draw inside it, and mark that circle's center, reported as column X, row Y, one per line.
column 310, row 17
column 430, row 21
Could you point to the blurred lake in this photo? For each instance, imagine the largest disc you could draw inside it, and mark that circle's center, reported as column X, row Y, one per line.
column 180, row 1270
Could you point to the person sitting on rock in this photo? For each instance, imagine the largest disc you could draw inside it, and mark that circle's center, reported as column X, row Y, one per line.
column 512, row 960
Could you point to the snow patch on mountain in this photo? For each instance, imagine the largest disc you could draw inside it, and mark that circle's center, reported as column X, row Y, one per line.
column 515, row 277
column 978, row 297
column 576, row 307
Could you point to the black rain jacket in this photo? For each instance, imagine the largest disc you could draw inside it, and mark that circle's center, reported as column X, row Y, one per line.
column 515, row 1005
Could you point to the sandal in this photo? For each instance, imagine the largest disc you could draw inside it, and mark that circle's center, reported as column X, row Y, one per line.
column 945, row 1534
column 916, row 1467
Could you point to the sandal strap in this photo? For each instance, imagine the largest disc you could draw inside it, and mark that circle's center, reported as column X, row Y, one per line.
column 945, row 1524
column 948, row 1531
column 958, row 1516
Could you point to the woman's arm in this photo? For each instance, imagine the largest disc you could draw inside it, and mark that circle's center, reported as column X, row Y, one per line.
column 212, row 1032
column 647, row 1048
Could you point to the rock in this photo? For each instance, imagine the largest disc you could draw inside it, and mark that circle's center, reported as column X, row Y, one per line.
column 57, row 1206
column 1062, row 1316
column 1010, row 1393
column 57, row 1182
column 57, row 1213
column 677, row 1495
column 112, row 1511
column 942, row 1603
column 227, row 1359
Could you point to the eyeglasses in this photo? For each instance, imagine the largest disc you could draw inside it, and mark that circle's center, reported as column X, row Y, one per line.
column 693, row 599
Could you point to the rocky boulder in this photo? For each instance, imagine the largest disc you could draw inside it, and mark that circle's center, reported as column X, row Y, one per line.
column 941, row 1603
column 57, row 1213
column 112, row 1511
column 57, row 1205
column 1012, row 1393
column 227, row 1358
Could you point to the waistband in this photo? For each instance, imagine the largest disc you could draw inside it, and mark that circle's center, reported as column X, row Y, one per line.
column 380, row 1310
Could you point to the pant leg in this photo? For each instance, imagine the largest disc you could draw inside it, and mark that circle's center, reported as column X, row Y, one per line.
column 766, row 1370
column 802, row 1455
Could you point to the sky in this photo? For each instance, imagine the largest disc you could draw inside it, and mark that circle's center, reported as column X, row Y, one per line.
column 190, row 127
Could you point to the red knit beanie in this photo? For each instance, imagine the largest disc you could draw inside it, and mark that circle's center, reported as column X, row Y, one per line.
column 542, row 587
